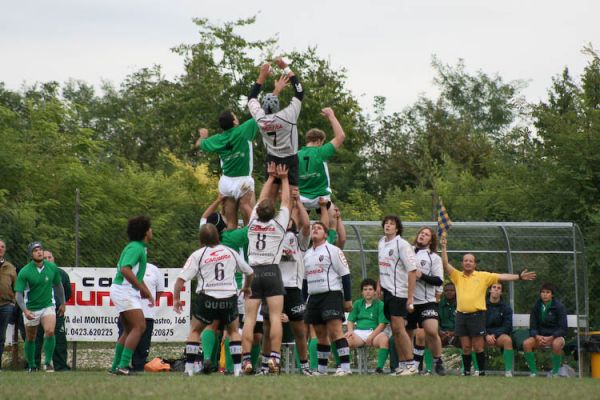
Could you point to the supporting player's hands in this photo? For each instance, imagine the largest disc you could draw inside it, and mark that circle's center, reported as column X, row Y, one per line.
column 294, row 193
column 490, row 340
column 177, row 306
column 328, row 113
column 443, row 242
column 281, row 84
column 282, row 171
column 410, row 307
column 272, row 169
column 284, row 318
column 323, row 202
column 61, row 310
column 28, row 314
column 347, row 306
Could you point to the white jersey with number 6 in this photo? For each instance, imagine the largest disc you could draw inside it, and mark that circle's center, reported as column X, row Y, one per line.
column 215, row 268
column 265, row 239
column 324, row 267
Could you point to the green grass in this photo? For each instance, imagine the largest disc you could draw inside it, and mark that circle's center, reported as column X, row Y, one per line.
column 101, row 385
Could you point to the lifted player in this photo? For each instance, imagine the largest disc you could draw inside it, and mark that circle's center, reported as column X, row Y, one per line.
column 234, row 147
column 279, row 128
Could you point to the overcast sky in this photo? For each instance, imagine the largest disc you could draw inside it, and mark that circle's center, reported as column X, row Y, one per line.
column 386, row 46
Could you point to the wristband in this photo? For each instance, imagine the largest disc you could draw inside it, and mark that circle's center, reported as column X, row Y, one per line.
column 287, row 70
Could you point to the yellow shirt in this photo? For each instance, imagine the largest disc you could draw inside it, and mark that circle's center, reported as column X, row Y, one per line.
column 471, row 290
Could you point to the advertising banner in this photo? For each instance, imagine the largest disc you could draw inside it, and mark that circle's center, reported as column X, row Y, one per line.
column 91, row 316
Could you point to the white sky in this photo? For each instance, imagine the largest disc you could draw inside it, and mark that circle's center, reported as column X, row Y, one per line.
column 386, row 46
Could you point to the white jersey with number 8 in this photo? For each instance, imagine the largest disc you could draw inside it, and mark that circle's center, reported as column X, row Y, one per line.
column 265, row 239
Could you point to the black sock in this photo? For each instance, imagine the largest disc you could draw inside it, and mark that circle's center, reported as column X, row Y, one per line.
column 467, row 363
column 481, row 362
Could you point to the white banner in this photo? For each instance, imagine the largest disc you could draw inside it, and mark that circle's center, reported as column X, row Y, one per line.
column 91, row 316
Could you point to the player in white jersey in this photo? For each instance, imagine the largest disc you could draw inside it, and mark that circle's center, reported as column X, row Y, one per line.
column 214, row 267
column 430, row 278
column 265, row 247
column 397, row 275
column 295, row 244
column 328, row 284
column 278, row 128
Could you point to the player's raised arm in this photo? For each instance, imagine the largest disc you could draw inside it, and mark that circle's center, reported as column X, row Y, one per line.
column 298, row 90
column 447, row 267
column 266, row 189
column 282, row 173
column 338, row 132
column 262, row 77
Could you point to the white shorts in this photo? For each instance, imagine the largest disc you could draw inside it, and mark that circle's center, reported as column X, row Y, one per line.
column 38, row 315
column 125, row 298
column 236, row 187
column 311, row 204
column 363, row 333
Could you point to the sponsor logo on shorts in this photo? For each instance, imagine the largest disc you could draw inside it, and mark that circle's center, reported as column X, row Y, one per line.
column 429, row 313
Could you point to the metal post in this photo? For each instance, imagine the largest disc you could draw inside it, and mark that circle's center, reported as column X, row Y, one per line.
column 77, row 255
column 433, row 210
column 509, row 266
column 579, row 358
column 363, row 260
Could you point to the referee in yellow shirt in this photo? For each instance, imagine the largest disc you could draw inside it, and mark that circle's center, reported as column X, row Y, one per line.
column 471, row 290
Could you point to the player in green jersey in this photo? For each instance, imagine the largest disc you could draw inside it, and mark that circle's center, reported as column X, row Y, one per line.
column 34, row 294
column 314, row 181
column 234, row 147
column 127, row 291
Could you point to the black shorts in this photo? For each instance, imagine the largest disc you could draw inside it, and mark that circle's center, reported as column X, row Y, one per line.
column 470, row 324
column 291, row 162
column 208, row 309
column 267, row 281
column 421, row 313
column 324, row 307
column 393, row 306
column 293, row 305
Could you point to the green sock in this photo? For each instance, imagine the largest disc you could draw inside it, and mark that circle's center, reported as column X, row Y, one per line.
column 228, row 358
column 312, row 353
column 126, row 357
column 117, row 358
column 508, row 356
column 474, row 358
column 216, row 350
column 556, row 363
column 382, row 355
column 336, row 356
column 48, row 346
column 29, row 349
column 530, row 358
column 428, row 359
column 254, row 353
column 209, row 339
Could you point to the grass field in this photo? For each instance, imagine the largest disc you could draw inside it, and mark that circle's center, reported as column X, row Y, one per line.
column 101, row 385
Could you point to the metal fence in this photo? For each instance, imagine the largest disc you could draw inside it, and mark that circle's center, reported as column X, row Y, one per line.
column 554, row 250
